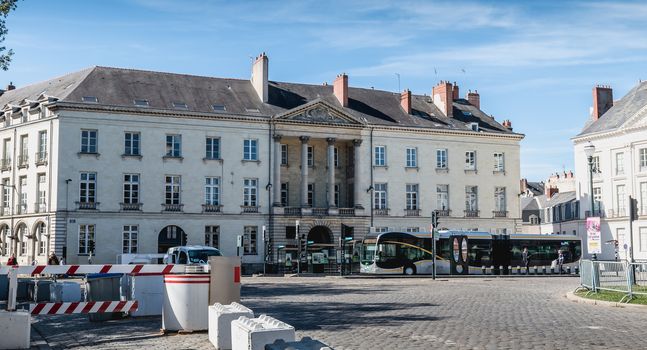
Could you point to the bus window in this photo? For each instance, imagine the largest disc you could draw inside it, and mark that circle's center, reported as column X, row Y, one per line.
column 386, row 251
column 368, row 252
column 183, row 258
column 479, row 252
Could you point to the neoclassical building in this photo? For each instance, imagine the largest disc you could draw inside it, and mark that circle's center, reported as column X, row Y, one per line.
column 130, row 161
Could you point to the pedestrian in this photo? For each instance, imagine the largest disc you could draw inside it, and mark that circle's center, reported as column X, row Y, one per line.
column 560, row 260
column 524, row 257
column 12, row 260
column 53, row 259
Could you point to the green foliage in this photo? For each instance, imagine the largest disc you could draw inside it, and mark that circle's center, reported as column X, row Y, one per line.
column 6, row 6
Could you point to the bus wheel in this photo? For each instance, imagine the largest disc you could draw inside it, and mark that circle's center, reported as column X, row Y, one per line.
column 410, row 270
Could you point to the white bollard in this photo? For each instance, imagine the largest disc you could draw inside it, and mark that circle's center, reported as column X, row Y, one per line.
column 15, row 329
column 220, row 318
column 255, row 333
column 306, row 343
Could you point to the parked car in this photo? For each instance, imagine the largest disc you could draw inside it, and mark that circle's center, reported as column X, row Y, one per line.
column 190, row 255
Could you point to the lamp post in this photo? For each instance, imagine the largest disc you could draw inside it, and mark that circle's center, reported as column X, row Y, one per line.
column 589, row 150
column 299, row 247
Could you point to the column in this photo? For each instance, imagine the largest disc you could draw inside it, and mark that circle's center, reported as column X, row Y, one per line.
column 357, row 174
column 331, row 172
column 304, row 170
column 277, row 171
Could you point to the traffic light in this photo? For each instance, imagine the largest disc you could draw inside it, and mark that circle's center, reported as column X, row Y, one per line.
column 434, row 219
column 347, row 231
column 633, row 208
column 91, row 246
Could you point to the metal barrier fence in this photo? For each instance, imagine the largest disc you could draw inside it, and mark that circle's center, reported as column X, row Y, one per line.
column 615, row 276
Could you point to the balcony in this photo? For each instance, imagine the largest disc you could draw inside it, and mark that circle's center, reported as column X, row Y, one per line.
column 617, row 213
column 249, row 209
column 5, row 164
column 23, row 161
column 41, row 158
column 381, row 211
column 500, row 213
column 40, row 208
column 346, row 211
column 88, row 205
column 320, row 211
column 443, row 212
column 471, row 213
column 21, row 209
column 173, row 208
column 412, row 212
column 596, row 213
column 211, row 208
column 292, row 211
column 131, row 206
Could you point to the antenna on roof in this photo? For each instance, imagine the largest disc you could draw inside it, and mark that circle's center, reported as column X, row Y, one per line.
column 435, row 71
column 398, row 75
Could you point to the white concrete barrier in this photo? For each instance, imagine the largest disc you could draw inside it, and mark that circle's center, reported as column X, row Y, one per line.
column 306, row 343
column 15, row 329
column 255, row 333
column 220, row 318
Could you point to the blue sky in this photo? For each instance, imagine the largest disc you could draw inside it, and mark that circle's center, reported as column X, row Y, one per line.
column 534, row 63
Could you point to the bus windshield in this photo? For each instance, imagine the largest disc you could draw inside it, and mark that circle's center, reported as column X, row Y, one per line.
column 368, row 251
column 202, row 256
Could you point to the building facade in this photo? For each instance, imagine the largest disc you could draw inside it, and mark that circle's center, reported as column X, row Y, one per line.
column 556, row 211
column 120, row 161
column 618, row 132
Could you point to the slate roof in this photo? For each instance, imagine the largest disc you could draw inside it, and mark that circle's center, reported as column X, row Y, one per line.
column 529, row 203
column 621, row 111
column 120, row 87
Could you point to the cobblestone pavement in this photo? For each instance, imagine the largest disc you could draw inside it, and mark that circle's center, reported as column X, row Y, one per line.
column 393, row 313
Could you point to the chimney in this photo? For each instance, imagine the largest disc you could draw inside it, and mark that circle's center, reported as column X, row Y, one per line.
column 602, row 100
column 455, row 95
column 340, row 89
column 259, row 76
column 11, row 86
column 524, row 185
column 507, row 124
column 550, row 191
column 442, row 96
column 405, row 101
column 474, row 99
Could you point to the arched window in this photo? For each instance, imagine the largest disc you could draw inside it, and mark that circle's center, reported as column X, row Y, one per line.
column 22, row 239
column 42, row 239
column 3, row 241
column 534, row 220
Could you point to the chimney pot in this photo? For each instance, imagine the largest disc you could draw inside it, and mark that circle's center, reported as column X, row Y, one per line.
column 443, row 96
column 340, row 89
column 455, row 94
column 11, row 86
column 602, row 100
column 405, row 101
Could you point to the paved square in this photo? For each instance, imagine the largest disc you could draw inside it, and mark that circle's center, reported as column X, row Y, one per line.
column 394, row 313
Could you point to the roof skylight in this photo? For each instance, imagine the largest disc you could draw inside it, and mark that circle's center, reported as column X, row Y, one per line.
column 252, row 110
column 218, row 108
column 90, row 99
column 180, row 105
column 141, row 103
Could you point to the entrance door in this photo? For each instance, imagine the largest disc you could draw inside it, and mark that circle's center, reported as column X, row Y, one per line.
column 170, row 236
column 501, row 253
column 319, row 252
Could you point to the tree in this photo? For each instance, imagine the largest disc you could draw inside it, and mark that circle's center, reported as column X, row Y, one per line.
column 6, row 6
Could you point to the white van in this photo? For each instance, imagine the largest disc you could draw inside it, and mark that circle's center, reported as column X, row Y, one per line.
column 190, row 255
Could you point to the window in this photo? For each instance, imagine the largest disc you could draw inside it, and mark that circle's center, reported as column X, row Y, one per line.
column 22, row 239
column 212, row 236
column 471, row 203
column 249, row 240
column 24, row 115
column 643, row 198
column 130, row 239
column 642, row 232
column 413, row 229
column 285, row 194
column 380, row 196
column 337, row 195
column 250, row 190
column 250, row 149
column 311, row 194
column 311, row 156
column 470, row 160
column 597, row 200
column 442, row 197
column 131, row 143
column 6, row 195
column 86, row 235
column 131, row 188
column 218, row 108
column 642, row 156
column 88, row 188
column 474, row 126
column 42, row 238
column 212, row 191
column 411, row 196
column 335, row 157
column 42, row 146
column 89, row 99
column 172, row 189
column 22, row 157
column 499, row 199
column 380, row 156
column 252, row 110
column 534, row 220
column 41, row 190
column 596, row 164
column 22, row 190
column 141, row 103
column 89, row 141
column 620, row 236
column 180, row 105
column 284, row 154
column 412, row 157
column 621, row 200
column 620, row 163
column 381, row 229
column 441, row 158
column 174, row 145
column 213, row 148
column 6, row 153
column 499, row 164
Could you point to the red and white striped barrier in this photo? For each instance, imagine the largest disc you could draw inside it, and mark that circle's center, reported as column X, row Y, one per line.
column 85, row 269
column 83, row 307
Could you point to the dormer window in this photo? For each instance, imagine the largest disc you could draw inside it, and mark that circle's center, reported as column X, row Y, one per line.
column 218, row 108
column 180, row 105
column 474, row 126
column 141, row 103
column 90, row 99
column 24, row 115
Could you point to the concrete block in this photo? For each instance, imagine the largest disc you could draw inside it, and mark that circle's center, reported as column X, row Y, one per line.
column 15, row 328
column 306, row 343
column 255, row 333
column 220, row 318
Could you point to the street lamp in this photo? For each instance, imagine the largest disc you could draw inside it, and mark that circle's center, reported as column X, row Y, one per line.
column 298, row 237
column 589, row 150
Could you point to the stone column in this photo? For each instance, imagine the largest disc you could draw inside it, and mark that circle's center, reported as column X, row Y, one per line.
column 356, row 182
column 277, row 171
column 304, row 170
column 331, row 172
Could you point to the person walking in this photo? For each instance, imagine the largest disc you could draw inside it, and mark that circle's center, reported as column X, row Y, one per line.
column 560, row 260
column 53, row 259
column 524, row 258
column 12, row 260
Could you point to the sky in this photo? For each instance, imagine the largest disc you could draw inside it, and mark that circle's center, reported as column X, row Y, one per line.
column 532, row 62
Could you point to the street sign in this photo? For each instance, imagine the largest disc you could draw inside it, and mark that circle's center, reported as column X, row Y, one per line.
column 239, row 241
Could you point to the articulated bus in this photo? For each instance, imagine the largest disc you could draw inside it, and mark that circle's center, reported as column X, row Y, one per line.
column 463, row 252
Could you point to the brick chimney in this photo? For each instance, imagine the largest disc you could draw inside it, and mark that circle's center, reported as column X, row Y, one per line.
column 524, row 185
column 550, row 191
column 340, row 89
column 11, row 86
column 455, row 94
column 507, row 124
column 602, row 100
column 259, row 76
column 405, row 101
column 442, row 96
column 474, row 99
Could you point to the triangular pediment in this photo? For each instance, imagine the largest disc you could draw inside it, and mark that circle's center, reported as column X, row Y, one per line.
column 318, row 112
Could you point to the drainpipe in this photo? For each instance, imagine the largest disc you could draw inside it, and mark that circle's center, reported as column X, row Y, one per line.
column 371, row 167
column 270, row 231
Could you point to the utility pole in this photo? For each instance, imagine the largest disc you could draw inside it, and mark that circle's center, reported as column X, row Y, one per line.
column 434, row 224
